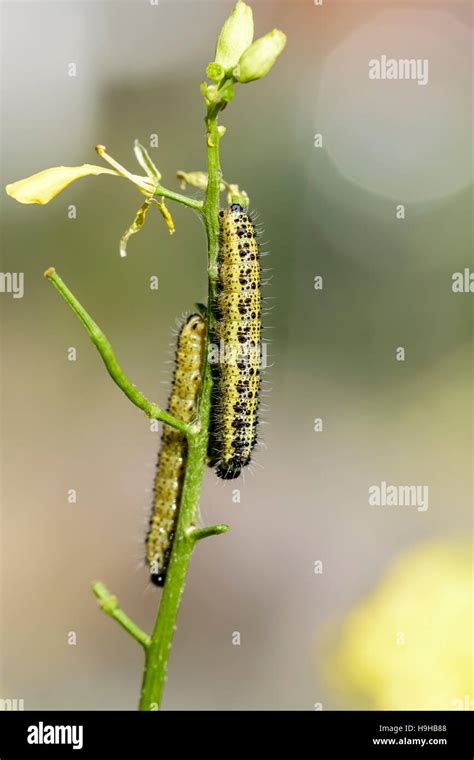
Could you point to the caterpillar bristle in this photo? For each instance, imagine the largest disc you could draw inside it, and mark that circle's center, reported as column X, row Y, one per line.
column 237, row 334
column 172, row 457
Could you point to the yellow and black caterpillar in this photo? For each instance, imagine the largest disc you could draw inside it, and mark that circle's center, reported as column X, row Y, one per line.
column 237, row 339
column 172, row 458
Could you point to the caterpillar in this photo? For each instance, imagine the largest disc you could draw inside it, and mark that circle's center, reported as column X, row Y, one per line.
column 172, row 457
column 237, row 337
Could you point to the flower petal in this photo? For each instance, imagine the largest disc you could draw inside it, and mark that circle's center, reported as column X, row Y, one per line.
column 45, row 185
column 166, row 216
column 135, row 227
column 141, row 154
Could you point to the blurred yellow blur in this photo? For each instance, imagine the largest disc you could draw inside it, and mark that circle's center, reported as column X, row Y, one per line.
column 409, row 644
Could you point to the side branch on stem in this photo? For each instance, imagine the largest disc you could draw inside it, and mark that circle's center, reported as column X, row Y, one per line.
column 104, row 348
column 109, row 604
column 163, row 192
column 211, row 530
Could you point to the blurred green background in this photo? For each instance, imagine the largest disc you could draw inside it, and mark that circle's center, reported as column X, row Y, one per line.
column 328, row 211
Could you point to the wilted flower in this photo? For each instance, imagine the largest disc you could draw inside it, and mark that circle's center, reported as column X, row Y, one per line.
column 45, row 185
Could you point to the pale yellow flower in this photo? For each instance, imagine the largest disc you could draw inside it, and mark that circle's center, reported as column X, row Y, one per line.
column 45, row 185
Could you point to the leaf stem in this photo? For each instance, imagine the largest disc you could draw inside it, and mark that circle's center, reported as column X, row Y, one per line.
column 197, row 534
column 104, row 348
column 109, row 604
column 179, row 198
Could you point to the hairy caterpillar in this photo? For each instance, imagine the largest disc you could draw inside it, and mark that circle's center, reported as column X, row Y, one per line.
column 171, row 461
column 237, row 339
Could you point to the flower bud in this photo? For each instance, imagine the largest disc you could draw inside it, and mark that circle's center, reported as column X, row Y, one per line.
column 259, row 58
column 214, row 72
column 210, row 92
column 235, row 37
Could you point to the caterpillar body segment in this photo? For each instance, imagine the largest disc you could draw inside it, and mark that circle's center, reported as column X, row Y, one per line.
column 172, row 457
column 237, row 339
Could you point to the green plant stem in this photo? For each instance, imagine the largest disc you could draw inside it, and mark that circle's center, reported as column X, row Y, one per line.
column 211, row 205
column 109, row 604
column 157, row 654
column 104, row 348
column 210, row 530
column 179, row 198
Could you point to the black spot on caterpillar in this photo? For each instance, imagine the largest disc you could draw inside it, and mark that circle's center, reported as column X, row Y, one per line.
column 237, row 340
column 171, row 461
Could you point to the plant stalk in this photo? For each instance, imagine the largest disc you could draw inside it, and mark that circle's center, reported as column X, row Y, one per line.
column 158, row 651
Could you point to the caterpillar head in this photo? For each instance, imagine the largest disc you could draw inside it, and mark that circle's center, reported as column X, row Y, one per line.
column 195, row 324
